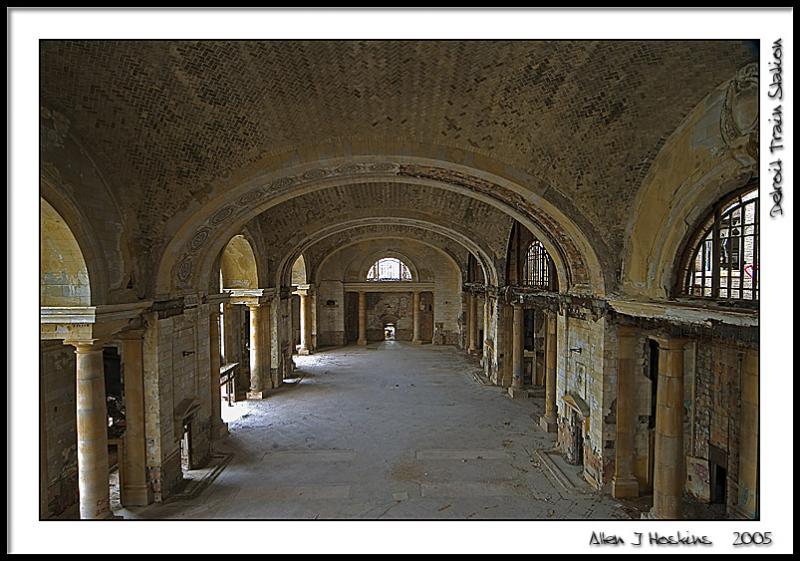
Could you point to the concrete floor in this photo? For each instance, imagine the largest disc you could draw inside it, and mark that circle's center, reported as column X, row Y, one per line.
column 388, row 431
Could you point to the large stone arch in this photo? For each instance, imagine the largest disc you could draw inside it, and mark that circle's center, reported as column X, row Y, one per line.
column 577, row 262
column 711, row 155
column 459, row 238
column 323, row 249
column 72, row 183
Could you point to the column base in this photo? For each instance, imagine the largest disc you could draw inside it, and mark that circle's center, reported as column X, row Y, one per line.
column 417, row 342
column 548, row 424
column 362, row 343
column 135, row 495
column 517, row 393
column 624, row 488
column 653, row 515
column 219, row 431
column 258, row 395
column 304, row 352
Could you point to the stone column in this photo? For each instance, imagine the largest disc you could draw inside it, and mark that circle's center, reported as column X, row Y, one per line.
column 669, row 472
column 472, row 307
column 362, row 318
column 231, row 340
column 747, row 504
column 135, row 490
column 433, row 319
column 260, row 379
column 548, row 421
column 416, row 317
column 474, row 337
column 487, row 307
column 92, row 425
column 305, row 323
column 624, row 484
column 517, row 370
column 218, row 427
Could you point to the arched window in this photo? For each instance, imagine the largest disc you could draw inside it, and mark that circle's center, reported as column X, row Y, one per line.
column 389, row 269
column 722, row 262
column 538, row 267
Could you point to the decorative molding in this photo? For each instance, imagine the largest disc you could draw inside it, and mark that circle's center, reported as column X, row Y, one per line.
column 389, row 286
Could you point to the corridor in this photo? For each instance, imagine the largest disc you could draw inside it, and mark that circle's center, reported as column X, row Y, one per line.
column 391, row 430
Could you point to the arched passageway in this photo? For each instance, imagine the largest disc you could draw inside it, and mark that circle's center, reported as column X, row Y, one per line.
column 444, row 312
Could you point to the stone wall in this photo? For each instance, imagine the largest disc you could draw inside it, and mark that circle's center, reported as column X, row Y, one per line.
column 177, row 382
column 589, row 376
column 59, row 465
column 331, row 313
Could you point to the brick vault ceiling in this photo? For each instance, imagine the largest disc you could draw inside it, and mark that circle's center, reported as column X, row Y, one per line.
column 282, row 224
column 165, row 121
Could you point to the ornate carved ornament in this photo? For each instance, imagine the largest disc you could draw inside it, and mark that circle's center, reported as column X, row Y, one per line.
column 739, row 117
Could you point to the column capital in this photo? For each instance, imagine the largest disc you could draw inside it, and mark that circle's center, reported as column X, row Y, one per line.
column 85, row 345
column 132, row 334
column 666, row 343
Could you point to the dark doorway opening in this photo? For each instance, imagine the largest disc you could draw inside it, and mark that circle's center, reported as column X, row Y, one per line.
column 719, row 477
column 718, row 471
column 652, row 375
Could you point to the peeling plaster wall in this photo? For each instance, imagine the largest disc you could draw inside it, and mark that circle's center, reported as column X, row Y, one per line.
column 725, row 417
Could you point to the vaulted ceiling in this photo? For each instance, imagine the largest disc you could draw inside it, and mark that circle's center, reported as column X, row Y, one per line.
column 171, row 124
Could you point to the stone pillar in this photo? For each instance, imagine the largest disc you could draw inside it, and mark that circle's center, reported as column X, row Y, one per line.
column 487, row 308
column 624, row 484
column 218, row 427
column 260, row 379
column 416, row 317
column 475, row 346
column 548, row 422
column 517, row 370
column 362, row 318
column 135, row 490
column 472, row 320
column 433, row 319
column 232, row 350
column 670, row 460
column 305, row 323
column 92, row 425
column 747, row 504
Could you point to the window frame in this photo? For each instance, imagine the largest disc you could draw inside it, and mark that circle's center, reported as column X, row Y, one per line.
column 542, row 277
column 716, row 228
column 402, row 268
